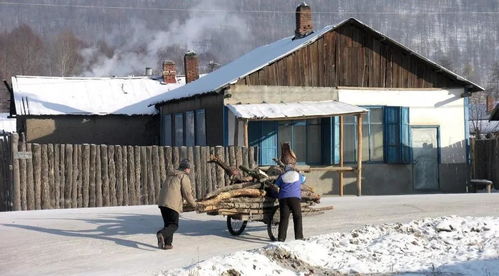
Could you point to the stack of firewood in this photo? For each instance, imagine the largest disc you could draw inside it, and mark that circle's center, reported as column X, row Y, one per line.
column 252, row 195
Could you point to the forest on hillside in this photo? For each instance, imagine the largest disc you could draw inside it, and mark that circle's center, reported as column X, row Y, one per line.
column 122, row 37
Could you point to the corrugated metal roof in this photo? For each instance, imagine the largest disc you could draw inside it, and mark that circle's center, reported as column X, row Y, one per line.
column 38, row 95
column 293, row 110
column 264, row 55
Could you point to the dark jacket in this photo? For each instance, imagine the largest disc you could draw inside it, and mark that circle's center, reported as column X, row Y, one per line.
column 176, row 187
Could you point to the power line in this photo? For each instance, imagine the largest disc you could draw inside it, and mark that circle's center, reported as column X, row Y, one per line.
column 235, row 11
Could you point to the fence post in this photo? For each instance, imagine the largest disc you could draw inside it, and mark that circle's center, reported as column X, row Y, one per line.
column 16, row 189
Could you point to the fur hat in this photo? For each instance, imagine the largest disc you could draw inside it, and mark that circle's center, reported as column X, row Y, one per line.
column 184, row 164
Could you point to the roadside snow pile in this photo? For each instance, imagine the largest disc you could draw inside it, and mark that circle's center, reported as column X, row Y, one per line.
column 447, row 245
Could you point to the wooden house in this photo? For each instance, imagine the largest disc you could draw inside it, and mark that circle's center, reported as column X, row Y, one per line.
column 309, row 89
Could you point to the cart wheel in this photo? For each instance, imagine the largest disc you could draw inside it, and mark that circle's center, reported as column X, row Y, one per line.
column 273, row 225
column 236, row 226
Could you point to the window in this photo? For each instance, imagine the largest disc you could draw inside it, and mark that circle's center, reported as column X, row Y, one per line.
column 189, row 128
column 179, row 129
column 184, row 129
column 385, row 135
column 305, row 138
column 166, row 130
column 200, row 128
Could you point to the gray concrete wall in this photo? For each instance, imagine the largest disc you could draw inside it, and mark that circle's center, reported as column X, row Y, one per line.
column 384, row 179
column 112, row 129
column 251, row 94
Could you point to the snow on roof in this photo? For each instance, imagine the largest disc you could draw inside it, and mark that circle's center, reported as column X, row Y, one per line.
column 7, row 124
column 264, row 55
column 293, row 110
column 38, row 95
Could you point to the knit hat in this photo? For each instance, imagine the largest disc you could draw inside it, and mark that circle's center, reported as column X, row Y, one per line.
column 184, row 164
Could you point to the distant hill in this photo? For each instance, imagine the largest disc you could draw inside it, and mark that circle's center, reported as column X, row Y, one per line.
column 455, row 33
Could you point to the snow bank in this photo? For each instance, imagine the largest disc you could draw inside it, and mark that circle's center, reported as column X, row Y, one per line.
column 455, row 245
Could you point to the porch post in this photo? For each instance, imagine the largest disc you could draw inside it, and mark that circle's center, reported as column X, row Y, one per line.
column 359, row 154
column 341, row 183
column 245, row 133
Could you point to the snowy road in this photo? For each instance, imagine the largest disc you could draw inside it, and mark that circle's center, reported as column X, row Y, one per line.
column 121, row 240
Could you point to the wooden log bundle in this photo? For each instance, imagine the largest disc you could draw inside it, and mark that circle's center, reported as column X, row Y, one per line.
column 252, row 199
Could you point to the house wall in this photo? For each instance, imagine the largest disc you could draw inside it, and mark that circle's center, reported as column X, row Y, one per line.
column 213, row 106
column 384, row 179
column 112, row 129
column 435, row 107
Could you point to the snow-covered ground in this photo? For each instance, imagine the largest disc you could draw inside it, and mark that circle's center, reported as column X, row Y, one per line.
column 122, row 241
column 438, row 246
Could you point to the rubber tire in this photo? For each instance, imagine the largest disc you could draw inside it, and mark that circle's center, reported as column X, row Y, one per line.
column 273, row 226
column 235, row 232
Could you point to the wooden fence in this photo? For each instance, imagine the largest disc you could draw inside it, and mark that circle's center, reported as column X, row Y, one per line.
column 46, row 176
column 486, row 160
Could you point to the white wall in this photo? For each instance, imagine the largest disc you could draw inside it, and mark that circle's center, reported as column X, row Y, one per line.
column 436, row 107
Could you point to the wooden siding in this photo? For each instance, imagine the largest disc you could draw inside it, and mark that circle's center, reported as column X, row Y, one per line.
column 352, row 55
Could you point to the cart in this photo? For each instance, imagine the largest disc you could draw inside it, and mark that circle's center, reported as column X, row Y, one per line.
column 266, row 211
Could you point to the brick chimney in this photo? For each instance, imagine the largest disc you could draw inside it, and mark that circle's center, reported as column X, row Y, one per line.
column 491, row 103
column 304, row 24
column 191, row 66
column 169, row 72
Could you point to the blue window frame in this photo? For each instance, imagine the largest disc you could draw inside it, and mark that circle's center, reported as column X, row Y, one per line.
column 397, row 137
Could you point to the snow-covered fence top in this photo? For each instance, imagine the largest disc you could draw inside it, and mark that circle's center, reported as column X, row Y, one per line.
column 46, row 176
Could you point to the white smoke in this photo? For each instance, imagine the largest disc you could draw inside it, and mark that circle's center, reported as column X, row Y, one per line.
column 209, row 21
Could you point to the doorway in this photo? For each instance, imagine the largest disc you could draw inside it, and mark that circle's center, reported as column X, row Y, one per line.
column 425, row 152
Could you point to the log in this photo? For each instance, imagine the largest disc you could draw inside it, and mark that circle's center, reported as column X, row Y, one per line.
column 233, row 187
column 151, row 190
column 78, row 194
column 69, row 176
column 30, row 186
column 233, row 193
column 113, row 201
column 144, row 181
column 92, row 171
column 205, row 181
column 51, row 184
column 192, row 175
column 156, row 173
column 251, row 157
column 220, row 182
column 98, row 177
column 37, row 169
column 138, row 180
column 119, row 176
column 126, row 201
column 16, row 193
column 131, row 176
column 23, row 175
column 198, row 185
column 57, row 176
column 212, row 170
column 62, row 171
column 105, row 175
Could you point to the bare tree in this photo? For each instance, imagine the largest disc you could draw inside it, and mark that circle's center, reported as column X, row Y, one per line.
column 64, row 56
